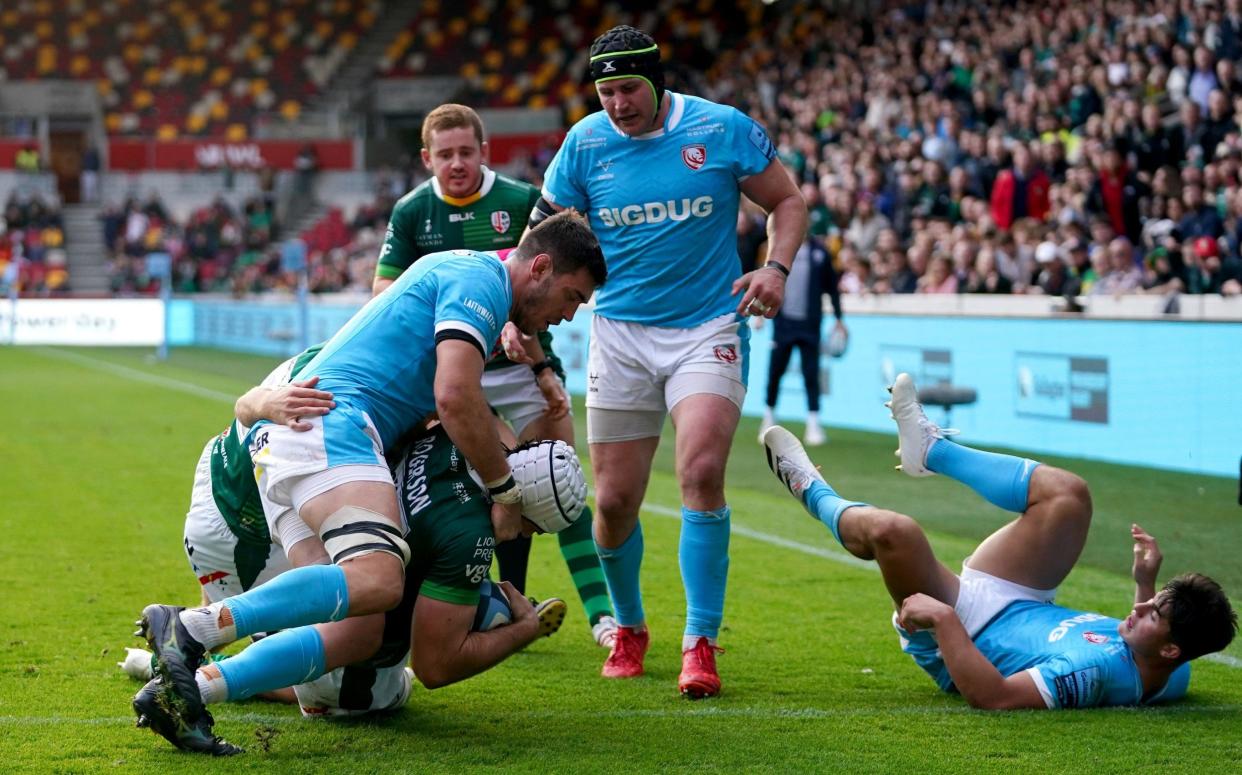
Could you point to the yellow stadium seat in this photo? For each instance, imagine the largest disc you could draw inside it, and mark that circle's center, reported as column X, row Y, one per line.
column 166, row 132
column 290, row 109
column 236, row 132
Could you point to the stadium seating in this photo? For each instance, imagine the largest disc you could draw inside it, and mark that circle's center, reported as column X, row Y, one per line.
column 170, row 69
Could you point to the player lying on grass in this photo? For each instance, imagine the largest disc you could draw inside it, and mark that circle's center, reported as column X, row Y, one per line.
column 993, row 633
column 450, row 533
column 418, row 348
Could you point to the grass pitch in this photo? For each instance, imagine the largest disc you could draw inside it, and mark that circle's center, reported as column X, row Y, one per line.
column 97, row 455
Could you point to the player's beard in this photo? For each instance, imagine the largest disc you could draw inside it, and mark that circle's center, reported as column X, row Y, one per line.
column 526, row 316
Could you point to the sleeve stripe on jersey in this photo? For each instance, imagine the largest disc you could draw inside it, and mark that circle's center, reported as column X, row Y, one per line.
column 1038, row 678
column 455, row 329
column 447, row 594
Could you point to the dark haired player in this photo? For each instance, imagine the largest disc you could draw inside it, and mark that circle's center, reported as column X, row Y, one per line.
column 993, row 633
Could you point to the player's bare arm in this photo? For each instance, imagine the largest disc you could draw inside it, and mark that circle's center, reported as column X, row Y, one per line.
column 284, row 405
column 978, row 680
column 445, row 649
column 379, row 285
column 1147, row 559
column 461, row 406
column 763, row 290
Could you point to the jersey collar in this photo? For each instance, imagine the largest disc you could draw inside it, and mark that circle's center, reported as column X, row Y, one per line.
column 671, row 121
column 489, row 179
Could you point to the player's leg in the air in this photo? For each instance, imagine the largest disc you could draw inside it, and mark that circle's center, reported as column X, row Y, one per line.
column 1039, row 548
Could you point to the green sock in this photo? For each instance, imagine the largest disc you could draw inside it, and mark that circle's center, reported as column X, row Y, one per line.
column 578, row 549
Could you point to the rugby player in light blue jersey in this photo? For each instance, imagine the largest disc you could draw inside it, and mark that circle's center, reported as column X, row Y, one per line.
column 994, row 633
column 660, row 176
column 415, row 350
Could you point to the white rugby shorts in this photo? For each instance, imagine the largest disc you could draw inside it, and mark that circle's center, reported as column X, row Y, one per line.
column 648, row 368
column 514, row 393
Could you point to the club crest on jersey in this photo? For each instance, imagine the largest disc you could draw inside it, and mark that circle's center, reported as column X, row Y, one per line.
column 694, row 156
column 1095, row 637
column 725, row 352
column 501, row 221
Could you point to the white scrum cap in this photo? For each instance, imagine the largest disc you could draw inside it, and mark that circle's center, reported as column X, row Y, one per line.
column 553, row 487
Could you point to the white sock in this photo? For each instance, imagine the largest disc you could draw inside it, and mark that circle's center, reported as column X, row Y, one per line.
column 211, row 684
column 690, row 641
column 768, row 419
column 211, row 626
column 812, row 419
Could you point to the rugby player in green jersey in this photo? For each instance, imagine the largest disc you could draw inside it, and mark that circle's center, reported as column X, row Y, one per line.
column 467, row 205
column 229, row 546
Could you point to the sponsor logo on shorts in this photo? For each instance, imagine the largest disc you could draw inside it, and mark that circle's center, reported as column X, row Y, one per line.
column 501, row 221
column 210, row 577
column 725, row 352
column 694, row 156
column 1095, row 637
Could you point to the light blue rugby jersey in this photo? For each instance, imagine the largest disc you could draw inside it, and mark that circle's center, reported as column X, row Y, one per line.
column 1076, row 658
column 383, row 360
column 664, row 207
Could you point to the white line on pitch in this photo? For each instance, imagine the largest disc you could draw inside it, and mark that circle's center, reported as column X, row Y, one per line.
column 136, row 374
column 768, row 538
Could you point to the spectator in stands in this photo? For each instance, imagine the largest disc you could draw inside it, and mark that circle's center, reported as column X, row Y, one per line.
column 866, row 225
column 940, row 278
column 1116, row 193
column 1020, row 191
column 28, row 159
column 1201, row 219
column 89, row 179
column 1121, row 275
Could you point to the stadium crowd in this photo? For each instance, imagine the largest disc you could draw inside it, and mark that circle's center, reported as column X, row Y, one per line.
column 32, row 245
column 1054, row 148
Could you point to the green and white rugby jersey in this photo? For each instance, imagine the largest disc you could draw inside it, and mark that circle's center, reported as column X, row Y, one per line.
column 448, row 518
column 427, row 220
column 233, row 484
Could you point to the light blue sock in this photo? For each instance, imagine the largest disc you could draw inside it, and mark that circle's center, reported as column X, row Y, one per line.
column 826, row 506
column 703, row 554
column 288, row 658
column 307, row 595
column 621, row 567
column 1003, row 480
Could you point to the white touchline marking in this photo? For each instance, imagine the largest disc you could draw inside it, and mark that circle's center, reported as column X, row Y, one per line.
column 768, row 538
column 136, row 375
column 654, row 508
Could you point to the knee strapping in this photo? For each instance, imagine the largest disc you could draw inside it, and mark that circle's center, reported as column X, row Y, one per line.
column 353, row 531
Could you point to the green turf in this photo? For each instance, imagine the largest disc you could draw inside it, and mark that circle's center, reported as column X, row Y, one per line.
column 96, row 460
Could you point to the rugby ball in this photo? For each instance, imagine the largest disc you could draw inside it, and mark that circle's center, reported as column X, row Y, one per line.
column 837, row 342
column 493, row 610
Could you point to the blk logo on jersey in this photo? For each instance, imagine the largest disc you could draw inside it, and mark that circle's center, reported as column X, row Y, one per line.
column 725, row 352
column 694, row 156
column 501, row 221
column 1095, row 637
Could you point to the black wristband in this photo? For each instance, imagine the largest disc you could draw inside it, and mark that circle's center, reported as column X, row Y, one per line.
column 507, row 484
column 540, row 366
column 778, row 267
